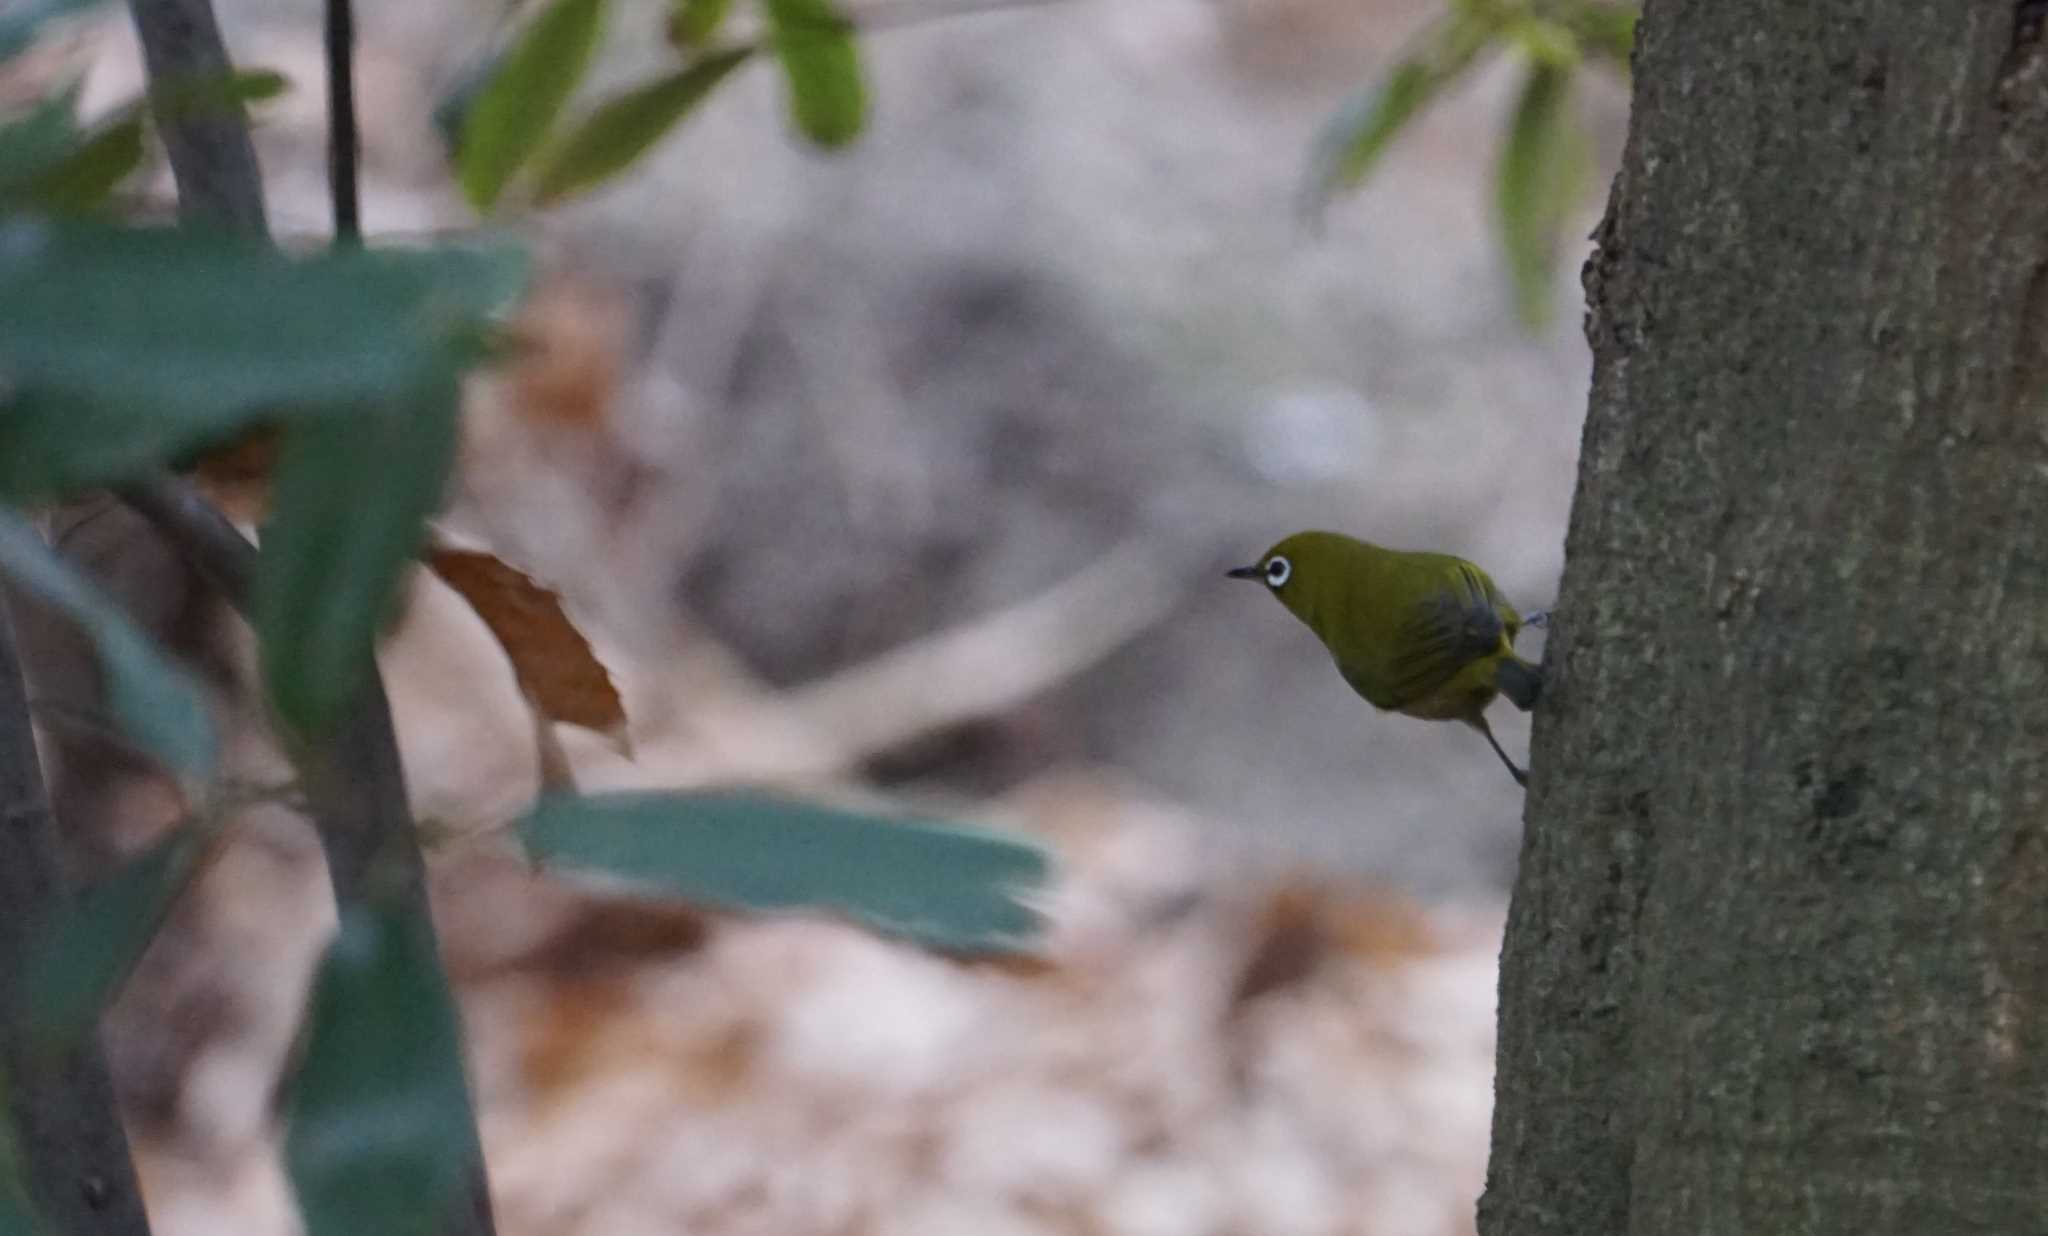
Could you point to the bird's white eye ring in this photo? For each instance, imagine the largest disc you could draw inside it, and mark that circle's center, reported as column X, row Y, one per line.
column 1278, row 570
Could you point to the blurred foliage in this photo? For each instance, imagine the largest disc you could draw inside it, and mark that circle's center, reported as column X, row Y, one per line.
column 1545, row 161
column 92, row 945
column 157, row 705
column 623, row 128
column 950, row 888
column 379, row 1135
column 501, row 118
column 520, row 100
column 329, row 574
column 127, row 349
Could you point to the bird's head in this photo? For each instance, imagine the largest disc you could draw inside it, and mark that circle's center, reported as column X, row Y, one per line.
column 1297, row 568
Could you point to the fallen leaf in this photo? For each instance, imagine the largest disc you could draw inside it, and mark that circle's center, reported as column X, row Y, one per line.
column 558, row 672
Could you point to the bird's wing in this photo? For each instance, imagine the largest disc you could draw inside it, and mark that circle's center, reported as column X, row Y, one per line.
column 1445, row 631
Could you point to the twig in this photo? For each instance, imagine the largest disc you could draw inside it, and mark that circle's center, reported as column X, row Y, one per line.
column 344, row 144
column 355, row 781
column 65, row 1125
column 212, row 157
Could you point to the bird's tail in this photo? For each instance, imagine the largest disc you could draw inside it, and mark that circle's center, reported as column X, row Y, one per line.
column 1520, row 681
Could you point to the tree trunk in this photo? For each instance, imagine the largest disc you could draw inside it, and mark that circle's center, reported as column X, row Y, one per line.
column 1778, row 954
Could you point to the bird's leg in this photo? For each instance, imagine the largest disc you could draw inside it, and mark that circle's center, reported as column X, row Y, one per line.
column 1479, row 723
column 1536, row 619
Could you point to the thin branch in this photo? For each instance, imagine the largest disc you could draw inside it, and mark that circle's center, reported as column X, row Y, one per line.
column 344, row 143
column 355, row 780
column 65, row 1125
column 212, row 157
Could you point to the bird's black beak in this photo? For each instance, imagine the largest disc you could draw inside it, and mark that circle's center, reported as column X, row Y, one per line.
column 1254, row 571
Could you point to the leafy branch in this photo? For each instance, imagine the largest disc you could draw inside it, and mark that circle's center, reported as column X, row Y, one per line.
column 1545, row 162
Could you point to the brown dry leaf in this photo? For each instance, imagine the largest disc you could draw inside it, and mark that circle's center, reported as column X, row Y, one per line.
column 558, row 671
column 236, row 477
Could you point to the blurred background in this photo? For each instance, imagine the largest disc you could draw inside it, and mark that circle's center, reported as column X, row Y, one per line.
column 908, row 474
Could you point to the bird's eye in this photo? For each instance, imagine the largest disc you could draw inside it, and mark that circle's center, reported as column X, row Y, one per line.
column 1278, row 570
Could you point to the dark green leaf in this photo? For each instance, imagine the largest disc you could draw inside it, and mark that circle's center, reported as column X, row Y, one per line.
column 512, row 115
column 1542, row 170
column 1351, row 145
column 353, row 495
column 693, row 23
column 827, row 98
column 81, row 958
column 81, row 180
column 949, row 888
column 23, row 20
column 126, row 346
column 628, row 126
column 38, row 141
column 381, row 1136
column 157, row 705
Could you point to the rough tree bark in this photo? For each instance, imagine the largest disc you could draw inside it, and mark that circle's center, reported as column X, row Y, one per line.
column 1778, row 955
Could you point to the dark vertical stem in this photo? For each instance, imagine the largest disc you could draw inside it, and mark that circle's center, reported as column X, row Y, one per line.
column 211, row 153
column 355, row 779
column 343, row 142
column 65, row 1123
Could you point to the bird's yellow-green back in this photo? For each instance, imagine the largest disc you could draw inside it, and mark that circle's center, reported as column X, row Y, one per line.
column 1411, row 631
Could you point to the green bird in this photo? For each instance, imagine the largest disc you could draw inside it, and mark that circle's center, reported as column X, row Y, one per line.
column 1426, row 635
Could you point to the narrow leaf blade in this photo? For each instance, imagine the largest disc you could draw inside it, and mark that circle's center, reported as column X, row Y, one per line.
column 693, row 23
column 182, row 97
column 124, row 347
column 955, row 889
column 1351, row 145
column 515, row 109
column 827, row 95
column 157, row 705
column 1541, row 170
column 83, row 179
column 83, row 956
column 626, row 127
column 380, row 1133
column 352, row 497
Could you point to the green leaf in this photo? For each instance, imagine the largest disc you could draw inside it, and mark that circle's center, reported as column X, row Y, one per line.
column 693, row 23
column 126, row 346
column 181, row 97
column 80, row 959
column 82, row 180
column 1605, row 30
column 38, row 141
column 827, row 98
column 627, row 127
column 1351, row 145
column 512, row 115
column 1541, row 173
column 157, row 705
column 950, row 888
column 23, row 21
column 1542, row 39
column 352, row 497
column 380, row 1137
